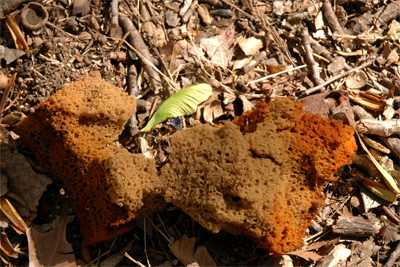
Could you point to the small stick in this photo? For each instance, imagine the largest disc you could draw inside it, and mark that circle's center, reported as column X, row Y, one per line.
column 393, row 143
column 276, row 74
column 309, row 57
column 136, row 40
column 337, row 77
column 132, row 91
column 331, row 17
column 375, row 145
column 116, row 30
column 189, row 12
column 155, row 50
column 381, row 128
column 391, row 214
column 393, row 257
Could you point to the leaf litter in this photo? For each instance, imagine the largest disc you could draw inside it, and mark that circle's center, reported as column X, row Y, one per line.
column 206, row 48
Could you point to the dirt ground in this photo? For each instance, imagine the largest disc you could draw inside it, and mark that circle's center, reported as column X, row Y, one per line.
column 321, row 52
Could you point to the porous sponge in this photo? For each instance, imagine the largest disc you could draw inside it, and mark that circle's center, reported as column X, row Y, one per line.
column 70, row 134
column 261, row 177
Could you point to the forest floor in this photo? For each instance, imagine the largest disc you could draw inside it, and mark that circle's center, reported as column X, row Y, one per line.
column 321, row 52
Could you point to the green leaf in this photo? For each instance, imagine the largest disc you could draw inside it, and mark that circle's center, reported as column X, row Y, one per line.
column 184, row 102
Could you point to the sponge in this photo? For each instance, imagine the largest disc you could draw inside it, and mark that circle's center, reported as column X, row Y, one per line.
column 261, row 176
column 71, row 134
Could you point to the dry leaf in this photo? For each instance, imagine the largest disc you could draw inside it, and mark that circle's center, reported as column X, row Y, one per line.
column 323, row 247
column 250, row 46
column 247, row 105
column 10, row 55
column 114, row 259
column 8, row 209
column 307, row 255
column 369, row 101
column 276, row 68
column 19, row 39
column 370, row 201
column 6, row 246
column 240, row 63
column 390, row 232
column 184, row 250
column 23, row 181
column 212, row 111
column 356, row 80
column 52, row 248
column 217, row 50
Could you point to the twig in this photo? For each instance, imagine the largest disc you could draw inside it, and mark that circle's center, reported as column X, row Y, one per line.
column 116, row 30
column 168, row 80
column 189, row 12
column 169, row 240
column 135, row 261
column 393, row 257
column 309, row 57
column 155, row 50
column 337, row 77
column 375, row 145
column 381, row 128
column 391, row 214
column 275, row 74
column 393, row 143
column 331, row 17
column 135, row 39
column 61, row 30
column 132, row 91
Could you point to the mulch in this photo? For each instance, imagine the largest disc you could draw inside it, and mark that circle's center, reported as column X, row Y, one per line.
column 343, row 51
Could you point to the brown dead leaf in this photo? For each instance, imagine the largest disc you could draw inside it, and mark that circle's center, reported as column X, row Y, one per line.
column 212, row 111
column 247, row 105
column 11, row 213
column 212, row 108
column 316, row 104
column 19, row 38
column 184, row 250
column 10, row 55
column 356, row 80
column 390, row 232
column 52, row 248
column 324, row 247
column 114, row 259
column 217, row 50
column 372, row 102
column 6, row 246
column 307, row 255
column 250, row 46
column 23, row 181
column 275, row 68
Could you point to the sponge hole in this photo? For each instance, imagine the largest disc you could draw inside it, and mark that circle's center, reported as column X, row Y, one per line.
column 232, row 199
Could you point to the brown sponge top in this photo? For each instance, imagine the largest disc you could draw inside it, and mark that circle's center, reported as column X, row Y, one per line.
column 70, row 134
column 264, row 181
column 138, row 187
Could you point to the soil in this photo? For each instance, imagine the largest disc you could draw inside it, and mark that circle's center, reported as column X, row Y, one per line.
column 229, row 45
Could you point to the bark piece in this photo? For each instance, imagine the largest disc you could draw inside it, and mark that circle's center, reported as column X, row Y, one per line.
column 356, row 226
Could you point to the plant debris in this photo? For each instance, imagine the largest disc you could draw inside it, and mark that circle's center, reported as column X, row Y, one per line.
column 340, row 58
